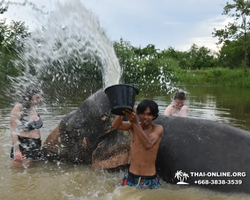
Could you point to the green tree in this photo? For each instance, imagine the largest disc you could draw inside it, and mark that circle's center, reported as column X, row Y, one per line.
column 195, row 58
column 240, row 12
column 126, row 54
column 11, row 43
column 183, row 58
column 143, row 65
column 202, row 57
column 231, row 54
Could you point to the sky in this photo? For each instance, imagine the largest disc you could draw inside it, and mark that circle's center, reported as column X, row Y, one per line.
column 163, row 23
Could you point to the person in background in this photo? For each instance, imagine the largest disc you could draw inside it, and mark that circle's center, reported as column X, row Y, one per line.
column 144, row 144
column 177, row 108
column 25, row 124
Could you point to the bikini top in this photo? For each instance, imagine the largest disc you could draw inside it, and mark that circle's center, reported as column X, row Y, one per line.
column 32, row 125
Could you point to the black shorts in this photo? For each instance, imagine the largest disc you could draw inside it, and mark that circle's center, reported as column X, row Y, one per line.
column 30, row 147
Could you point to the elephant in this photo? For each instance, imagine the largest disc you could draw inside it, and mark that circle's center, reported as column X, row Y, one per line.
column 83, row 134
column 195, row 152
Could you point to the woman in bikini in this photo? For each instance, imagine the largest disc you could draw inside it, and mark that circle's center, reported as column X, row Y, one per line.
column 25, row 124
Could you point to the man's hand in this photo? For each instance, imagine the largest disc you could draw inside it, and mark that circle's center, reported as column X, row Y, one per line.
column 131, row 115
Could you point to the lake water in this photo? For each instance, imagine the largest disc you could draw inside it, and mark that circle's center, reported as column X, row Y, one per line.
column 67, row 181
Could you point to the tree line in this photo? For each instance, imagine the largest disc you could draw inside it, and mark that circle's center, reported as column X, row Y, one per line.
column 148, row 64
column 11, row 43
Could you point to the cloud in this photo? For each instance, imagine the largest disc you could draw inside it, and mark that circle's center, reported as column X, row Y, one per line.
column 165, row 23
column 174, row 23
column 201, row 33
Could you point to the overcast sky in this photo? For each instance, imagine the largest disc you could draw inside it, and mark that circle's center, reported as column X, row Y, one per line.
column 164, row 23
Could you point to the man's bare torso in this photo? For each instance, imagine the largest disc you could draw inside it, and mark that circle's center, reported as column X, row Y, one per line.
column 142, row 160
column 179, row 112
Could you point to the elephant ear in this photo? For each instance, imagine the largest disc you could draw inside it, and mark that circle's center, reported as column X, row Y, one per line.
column 112, row 151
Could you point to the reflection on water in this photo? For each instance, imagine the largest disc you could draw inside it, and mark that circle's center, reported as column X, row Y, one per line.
column 67, row 181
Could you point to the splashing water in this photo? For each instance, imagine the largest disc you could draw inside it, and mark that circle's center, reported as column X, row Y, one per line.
column 68, row 41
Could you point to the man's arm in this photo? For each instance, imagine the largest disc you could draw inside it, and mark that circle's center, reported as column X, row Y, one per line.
column 147, row 141
column 185, row 111
column 119, row 124
column 168, row 110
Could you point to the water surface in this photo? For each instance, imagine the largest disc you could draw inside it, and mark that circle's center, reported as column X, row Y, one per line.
column 67, row 181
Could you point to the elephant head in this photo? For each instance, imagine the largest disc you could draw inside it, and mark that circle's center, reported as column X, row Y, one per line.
column 86, row 136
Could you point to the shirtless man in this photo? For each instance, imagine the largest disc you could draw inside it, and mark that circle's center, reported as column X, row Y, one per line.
column 177, row 108
column 144, row 144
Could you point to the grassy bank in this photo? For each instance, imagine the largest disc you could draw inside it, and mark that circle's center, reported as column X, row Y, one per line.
column 218, row 76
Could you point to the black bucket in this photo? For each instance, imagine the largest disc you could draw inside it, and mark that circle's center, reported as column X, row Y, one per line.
column 121, row 96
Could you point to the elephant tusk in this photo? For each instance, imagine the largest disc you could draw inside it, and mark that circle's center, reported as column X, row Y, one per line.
column 85, row 142
column 110, row 130
column 104, row 118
